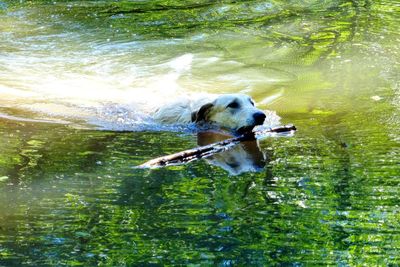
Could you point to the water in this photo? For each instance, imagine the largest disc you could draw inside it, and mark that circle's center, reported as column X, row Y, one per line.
column 79, row 78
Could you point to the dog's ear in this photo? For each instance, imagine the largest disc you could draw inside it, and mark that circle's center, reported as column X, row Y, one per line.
column 201, row 114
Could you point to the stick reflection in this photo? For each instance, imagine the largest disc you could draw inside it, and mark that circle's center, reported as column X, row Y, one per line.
column 245, row 157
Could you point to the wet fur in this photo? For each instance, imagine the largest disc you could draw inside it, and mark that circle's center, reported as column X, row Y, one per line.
column 230, row 111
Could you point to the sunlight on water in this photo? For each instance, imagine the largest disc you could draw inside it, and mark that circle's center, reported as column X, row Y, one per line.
column 72, row 68
column 52, row 74
column 79, row 81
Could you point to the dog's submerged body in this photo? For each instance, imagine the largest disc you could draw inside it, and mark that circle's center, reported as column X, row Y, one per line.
column 235, row 112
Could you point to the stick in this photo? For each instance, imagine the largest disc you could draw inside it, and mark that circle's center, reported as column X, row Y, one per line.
column 211, row 149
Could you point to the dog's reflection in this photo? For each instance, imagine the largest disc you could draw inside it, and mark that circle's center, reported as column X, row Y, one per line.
column 244, row 157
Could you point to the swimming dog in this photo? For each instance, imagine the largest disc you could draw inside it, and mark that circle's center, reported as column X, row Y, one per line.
column 234, row 112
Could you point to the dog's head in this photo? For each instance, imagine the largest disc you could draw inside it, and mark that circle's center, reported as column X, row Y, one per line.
column 232, row 111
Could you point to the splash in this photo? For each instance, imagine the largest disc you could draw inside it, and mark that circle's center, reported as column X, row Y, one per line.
column 106, row 101
column 67, row 75
column 101, row 98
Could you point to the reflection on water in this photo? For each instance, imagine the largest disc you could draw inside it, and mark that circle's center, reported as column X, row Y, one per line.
column 69, row 193
column 244, row 157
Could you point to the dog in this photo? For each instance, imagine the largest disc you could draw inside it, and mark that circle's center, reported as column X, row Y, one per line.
column 234, row 112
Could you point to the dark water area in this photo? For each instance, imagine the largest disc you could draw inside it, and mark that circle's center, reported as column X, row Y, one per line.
column 69, row 192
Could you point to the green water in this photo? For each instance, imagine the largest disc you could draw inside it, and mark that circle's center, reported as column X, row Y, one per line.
column 70, row 70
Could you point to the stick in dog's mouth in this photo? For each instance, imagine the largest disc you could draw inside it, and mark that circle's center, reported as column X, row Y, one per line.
column 211, row 149
column 245, row 130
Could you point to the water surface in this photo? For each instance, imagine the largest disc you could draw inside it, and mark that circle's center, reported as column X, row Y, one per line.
column 73, row 74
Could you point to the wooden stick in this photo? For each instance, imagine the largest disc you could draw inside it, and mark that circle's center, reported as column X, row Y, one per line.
column 211, row 149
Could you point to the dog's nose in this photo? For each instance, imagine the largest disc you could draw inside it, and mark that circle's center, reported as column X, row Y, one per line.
column 259, row 118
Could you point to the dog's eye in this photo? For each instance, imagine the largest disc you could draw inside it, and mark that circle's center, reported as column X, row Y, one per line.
column 233, row 105
column 251, row 101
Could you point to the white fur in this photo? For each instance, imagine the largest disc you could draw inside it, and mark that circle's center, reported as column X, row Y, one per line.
column 180, row 111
